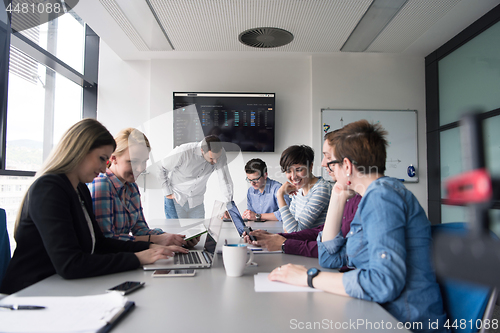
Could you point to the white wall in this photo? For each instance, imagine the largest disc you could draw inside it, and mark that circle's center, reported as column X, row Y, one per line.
column 139, row 94
column 373, row 81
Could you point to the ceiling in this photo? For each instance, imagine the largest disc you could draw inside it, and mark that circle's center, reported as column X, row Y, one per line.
column 204, row 28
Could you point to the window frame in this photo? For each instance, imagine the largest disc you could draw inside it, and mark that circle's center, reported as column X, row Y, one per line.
column 432, row 110
column 88, row 81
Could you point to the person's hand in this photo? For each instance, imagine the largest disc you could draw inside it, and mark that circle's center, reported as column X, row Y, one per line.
column 171, row 249
column 192, row 242
column 257, row 233
column 171, row 196
column 341, row 193
column 167, row 239
column 157, row 252
column 287, row 188
column 249, row 215
column 246, row 238
column 291, row 274
column 272, row 242
column 150, row 255
column 226, row 215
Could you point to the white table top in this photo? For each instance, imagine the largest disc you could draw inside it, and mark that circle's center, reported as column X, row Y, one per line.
column 213, row 302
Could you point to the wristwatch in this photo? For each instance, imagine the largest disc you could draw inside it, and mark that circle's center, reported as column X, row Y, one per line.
column 311, row 274
column 258, row 216
column 283, row 246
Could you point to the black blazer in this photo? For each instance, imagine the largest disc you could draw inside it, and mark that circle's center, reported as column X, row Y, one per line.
column 53, row 237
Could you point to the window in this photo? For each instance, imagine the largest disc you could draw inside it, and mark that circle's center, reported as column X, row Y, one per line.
column 50, row 85
column 462, row 76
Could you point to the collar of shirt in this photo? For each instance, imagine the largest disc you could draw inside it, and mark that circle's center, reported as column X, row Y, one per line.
column 266, row 188
column 117, row 183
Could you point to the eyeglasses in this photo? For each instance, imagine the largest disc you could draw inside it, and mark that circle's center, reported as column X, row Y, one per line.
column 331, row 165
column 253, row 180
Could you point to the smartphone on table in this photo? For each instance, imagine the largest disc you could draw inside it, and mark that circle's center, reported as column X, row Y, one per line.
column 173, row 272
column 127, row 287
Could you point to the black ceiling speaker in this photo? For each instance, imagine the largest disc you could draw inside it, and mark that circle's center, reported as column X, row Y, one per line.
column 265, row 37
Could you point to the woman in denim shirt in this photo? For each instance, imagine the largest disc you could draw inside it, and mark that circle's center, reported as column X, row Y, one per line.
column 389, row 241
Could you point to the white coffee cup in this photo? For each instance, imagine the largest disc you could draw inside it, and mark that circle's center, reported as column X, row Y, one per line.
column 235, row 258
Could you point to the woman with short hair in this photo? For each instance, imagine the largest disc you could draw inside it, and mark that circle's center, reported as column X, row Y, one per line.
column 310, row 194
column 388, row 245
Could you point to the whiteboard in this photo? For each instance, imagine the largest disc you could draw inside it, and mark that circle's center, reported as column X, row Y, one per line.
column 402, row 136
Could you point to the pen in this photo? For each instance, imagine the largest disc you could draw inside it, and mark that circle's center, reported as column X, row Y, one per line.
column 21, row 307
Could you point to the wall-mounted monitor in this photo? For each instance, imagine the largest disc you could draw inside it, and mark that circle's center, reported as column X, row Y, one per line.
column 244, row 119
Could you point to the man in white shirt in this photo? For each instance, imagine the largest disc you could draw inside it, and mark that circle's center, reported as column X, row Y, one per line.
column 184, row 175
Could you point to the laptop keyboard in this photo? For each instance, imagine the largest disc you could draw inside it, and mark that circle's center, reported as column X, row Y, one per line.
column 187, row 258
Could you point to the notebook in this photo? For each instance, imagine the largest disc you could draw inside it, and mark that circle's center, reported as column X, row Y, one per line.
column 196, row 258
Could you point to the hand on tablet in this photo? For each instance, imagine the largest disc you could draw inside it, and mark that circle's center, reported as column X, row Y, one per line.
column 167, row 239
column 192, row 242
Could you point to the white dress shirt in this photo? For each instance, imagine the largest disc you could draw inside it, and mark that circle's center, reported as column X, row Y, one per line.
column 185, row 173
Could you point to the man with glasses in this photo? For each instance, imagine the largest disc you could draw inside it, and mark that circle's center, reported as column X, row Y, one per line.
column 184, row 175
column 262, row 203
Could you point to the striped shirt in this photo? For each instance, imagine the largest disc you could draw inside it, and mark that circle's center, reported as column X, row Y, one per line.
column 118, row 209
column 309, row 211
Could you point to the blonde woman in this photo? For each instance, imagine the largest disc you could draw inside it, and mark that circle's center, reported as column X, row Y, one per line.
column 56, row 231
column 116, row 198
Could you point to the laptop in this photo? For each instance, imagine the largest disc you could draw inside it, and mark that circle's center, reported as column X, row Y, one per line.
column 239, row 224
column 196, row 258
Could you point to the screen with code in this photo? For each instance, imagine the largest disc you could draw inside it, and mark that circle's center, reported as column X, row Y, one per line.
column 244, row 119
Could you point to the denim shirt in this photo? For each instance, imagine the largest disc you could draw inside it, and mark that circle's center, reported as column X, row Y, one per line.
column 389, row 245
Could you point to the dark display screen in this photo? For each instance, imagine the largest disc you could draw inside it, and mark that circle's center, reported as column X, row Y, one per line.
column 244, row 119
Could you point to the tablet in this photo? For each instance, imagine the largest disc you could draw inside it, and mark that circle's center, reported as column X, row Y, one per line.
column 194, row 232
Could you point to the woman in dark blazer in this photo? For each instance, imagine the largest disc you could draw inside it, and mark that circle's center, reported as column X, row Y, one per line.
column 56, row 231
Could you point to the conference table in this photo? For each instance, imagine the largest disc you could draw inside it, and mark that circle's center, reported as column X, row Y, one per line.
column 212, row 302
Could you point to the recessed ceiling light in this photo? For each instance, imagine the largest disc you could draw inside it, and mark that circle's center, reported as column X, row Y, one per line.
column 376, row 18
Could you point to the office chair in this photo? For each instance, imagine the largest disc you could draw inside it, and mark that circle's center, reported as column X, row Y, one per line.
column 465, row 303
column 4, row 244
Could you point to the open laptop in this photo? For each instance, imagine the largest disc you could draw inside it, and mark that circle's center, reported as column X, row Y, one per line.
column 240, row 226
column 196, row 258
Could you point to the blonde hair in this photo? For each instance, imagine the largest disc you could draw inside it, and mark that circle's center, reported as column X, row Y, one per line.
column 76, row 143
column 126, row 138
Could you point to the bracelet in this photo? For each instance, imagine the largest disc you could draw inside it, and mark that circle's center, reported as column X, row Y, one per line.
column 149, row 239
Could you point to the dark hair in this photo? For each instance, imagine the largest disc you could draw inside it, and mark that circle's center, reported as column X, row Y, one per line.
column 211, row 143
column 362, row 143
column 256, row 165
column 296, row 155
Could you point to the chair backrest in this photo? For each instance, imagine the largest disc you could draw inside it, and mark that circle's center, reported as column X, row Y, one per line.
column 465, row 303
column 4, row 244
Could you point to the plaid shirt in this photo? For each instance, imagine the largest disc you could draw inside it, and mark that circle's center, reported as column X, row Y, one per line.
column 118, row 209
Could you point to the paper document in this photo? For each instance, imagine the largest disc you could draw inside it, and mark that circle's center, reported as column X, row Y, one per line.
column 61, row 314
column 263, row 284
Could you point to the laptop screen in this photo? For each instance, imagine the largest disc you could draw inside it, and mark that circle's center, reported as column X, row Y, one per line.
column 210, row 244
column 214, row 227
column 236, row 217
